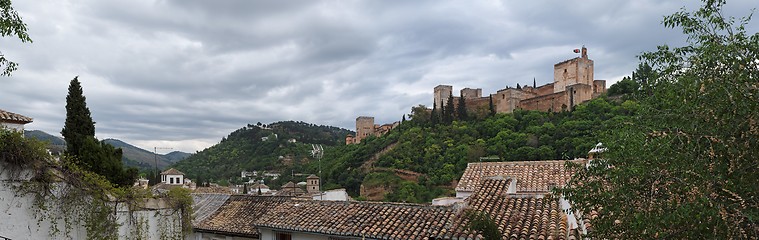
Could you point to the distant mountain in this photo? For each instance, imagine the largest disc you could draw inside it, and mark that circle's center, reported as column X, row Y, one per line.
column 132, row 156
column 143, row 159
column 45, row 137
column 177, row 156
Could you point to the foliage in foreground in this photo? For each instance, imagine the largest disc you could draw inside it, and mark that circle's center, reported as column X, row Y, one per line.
column 10, row 25
column 84, row 149
column 686, row 166
column 65, row 193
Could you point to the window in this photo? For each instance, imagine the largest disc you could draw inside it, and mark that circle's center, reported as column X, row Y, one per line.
column 171, row 180
column 284, row 236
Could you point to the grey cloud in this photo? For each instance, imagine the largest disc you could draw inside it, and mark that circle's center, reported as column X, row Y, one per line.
column 190, row 71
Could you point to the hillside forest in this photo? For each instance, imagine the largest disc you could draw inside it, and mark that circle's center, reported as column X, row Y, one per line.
column 419, row 160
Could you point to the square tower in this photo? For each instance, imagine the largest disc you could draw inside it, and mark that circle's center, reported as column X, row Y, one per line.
column 364, row 128
column 578, row 70
column 442, row 93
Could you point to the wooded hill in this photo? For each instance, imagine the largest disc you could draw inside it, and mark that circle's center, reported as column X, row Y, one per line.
column 275, row 147
column 420, row 160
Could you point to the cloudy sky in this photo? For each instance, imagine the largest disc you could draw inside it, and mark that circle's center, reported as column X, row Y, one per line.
column 184, row 74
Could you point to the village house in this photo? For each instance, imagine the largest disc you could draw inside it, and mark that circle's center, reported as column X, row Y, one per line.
column 172, row 177
column 517, row 195
column 13, row 121
column 519, row 216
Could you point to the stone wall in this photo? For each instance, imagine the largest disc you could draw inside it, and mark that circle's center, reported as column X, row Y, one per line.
column 19, row 218
column 554, row 102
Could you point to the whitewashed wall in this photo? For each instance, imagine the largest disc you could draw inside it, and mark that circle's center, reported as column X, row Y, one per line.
column 12, row 126
column 268, row 234
column 18, row 220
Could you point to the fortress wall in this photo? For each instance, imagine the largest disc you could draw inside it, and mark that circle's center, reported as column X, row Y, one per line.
column 554, row 102
column 599, row 87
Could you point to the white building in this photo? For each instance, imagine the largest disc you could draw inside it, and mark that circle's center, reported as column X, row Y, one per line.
column 172, row 177
column 13, row 121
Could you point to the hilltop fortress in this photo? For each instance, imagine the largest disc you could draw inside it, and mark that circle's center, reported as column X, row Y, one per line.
column 573, row 84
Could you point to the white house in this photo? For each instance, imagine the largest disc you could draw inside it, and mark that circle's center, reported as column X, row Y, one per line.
column 13, row 121
column 172, row 177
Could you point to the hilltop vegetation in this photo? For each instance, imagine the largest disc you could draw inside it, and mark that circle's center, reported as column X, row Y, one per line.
column 438, row 153
column 419, row 160
column 260, row 147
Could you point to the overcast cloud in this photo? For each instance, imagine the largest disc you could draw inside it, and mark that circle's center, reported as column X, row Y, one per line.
column 184, row 74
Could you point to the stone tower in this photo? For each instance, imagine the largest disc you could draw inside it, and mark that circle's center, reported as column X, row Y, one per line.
column 442, row 93
column 364, row 128
column 575, row 78
column 469, row 93
column 312, row 184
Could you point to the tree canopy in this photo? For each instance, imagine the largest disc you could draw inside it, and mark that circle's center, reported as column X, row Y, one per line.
column 83, row 148
column 685, row 167
column 10, row 25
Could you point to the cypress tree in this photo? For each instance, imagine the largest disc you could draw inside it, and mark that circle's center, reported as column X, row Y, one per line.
column 79, row 125
column 461, row 110
column 449, row 110
column 82, row 146
column 434, row 119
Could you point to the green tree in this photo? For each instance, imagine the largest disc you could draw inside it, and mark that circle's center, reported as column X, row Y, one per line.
column 10, row 25
column 686, row 166
column 420, row 114
column 625, row 86
column 484, row 224
column 461, row 110
column 81, row 144
column 435, row 115
column 449, row 110
column 79, row 125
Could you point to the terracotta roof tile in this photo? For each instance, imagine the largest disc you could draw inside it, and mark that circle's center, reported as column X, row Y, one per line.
column 6, row 116
column 172, row 171
column 213, row 189
column 359, row 219
column 518, row 216
column 237, row 213
column 531, row 176
column 206, row 204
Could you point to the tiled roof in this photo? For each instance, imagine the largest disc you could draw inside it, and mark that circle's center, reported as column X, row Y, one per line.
column 290, row 189
column 172, row 171
column 6, row 116
column 235, row 216
column 373, row 220
column 312, row 177
column 213, row 189
column 206, row 204
column 531, row 176
column 518, row 216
